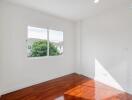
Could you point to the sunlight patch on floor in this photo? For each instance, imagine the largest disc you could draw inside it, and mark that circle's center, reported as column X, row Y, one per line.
column 60, row 98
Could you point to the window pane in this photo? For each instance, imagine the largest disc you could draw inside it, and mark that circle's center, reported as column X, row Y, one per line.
column 37, row 42
column 55, row 42
column 37, row 33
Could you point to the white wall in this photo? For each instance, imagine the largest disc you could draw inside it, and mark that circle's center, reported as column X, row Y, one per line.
column 108, row 38
column 18, row 71
column 0, row 48
column 78, row 69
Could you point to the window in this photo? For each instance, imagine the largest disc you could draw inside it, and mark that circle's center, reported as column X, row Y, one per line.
column 55, row 40
column 43, row 42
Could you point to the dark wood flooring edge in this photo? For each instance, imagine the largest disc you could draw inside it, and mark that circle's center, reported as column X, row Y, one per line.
column 40, row 83
column 52, row 89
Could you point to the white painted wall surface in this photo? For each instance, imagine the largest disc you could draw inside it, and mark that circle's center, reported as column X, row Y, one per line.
column 107, row 38
column 78, row 69
column 0, row 48
column 19, row 71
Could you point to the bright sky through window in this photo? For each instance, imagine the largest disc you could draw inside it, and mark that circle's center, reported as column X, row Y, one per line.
column 37, row 33
column 41, row 33
column 55, row 36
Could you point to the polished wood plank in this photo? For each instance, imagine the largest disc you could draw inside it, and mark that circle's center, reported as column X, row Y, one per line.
column 93, row 90
column 48, row 90
column 69, row 87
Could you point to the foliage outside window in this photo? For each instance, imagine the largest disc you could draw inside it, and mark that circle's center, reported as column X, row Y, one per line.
column 43, row 42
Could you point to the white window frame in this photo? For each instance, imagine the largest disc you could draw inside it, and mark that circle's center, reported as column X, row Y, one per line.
column 48, row 41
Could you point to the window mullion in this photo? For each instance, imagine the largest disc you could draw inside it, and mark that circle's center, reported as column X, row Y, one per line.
column 47, row 42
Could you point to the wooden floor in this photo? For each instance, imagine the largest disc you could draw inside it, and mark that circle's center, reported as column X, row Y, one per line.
column 69, row 87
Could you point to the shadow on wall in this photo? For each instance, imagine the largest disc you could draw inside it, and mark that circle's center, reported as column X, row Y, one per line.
column 103, row 76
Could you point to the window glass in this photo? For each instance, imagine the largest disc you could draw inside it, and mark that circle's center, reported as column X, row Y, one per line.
column 37, row 42
column 55, row 42
column 44, row 42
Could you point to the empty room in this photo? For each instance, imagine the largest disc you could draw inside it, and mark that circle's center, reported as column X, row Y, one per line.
column 65, row 49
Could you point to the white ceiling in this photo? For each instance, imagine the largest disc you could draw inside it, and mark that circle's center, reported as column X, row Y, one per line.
column 72, row 9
